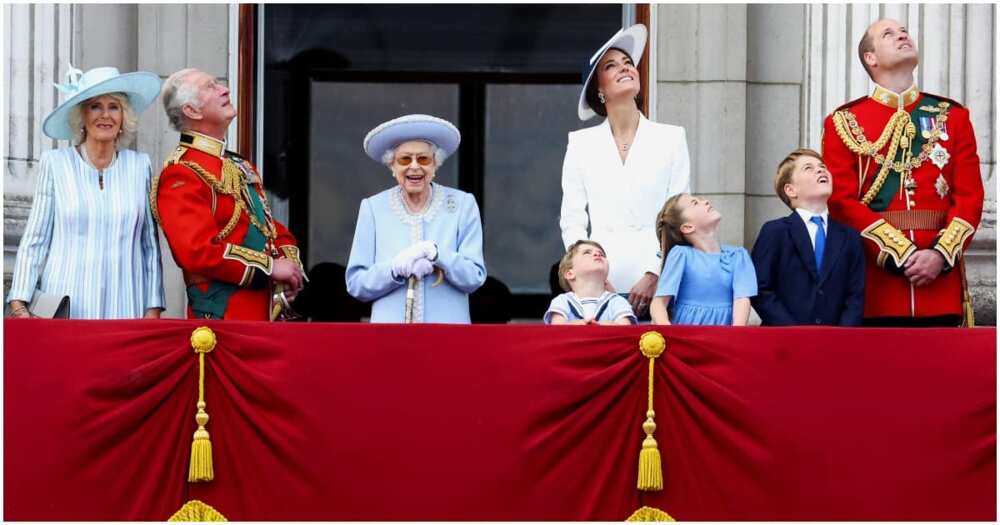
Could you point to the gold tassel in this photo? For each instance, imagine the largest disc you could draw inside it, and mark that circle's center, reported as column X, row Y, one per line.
column 652, row 345
column 968, row 314
column 203, row 342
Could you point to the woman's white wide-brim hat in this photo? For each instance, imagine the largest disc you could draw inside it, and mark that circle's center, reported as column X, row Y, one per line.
column 631, row 41
column 388, row 135
column 140, row 87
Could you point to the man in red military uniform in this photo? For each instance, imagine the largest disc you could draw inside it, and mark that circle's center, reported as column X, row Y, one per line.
column 906, row 176
column 238, row 262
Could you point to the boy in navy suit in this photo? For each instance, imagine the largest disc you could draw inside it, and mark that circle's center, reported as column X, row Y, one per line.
column 810, row 270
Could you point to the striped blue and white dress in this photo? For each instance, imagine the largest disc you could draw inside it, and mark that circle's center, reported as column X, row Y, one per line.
column 99, row 247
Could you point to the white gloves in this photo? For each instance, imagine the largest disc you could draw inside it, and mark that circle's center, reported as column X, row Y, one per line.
column 422, row 268
column 415, row 260
column 429, row 249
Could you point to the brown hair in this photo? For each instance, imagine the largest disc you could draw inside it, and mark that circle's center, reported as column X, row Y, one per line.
column 668, row 227
column 566, row 263
column 866, row 45
column 785, row 170
column 590, row 94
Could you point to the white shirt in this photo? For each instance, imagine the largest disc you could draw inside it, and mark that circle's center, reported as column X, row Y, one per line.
column 811, row 226
column 619, row 201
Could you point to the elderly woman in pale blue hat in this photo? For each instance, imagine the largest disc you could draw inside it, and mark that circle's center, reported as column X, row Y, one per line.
column 617, row 174
column 418, row 246
column 90, row 235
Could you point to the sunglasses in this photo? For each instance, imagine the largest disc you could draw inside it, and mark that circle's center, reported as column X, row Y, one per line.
column 423, row 160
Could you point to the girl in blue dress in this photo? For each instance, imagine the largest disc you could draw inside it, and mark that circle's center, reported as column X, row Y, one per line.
column 703, row 281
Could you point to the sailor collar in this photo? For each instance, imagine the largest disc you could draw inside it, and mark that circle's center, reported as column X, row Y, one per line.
column 203, row 143
column 894, row 100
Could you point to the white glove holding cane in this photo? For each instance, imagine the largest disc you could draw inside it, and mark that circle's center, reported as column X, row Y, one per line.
column 405, row 263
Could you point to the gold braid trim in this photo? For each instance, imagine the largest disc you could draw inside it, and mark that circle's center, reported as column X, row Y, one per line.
column 196, row 510
column 901, row 130
column 892, row 242
column 649, row 514
column 953, row 238
column 232, row 184
column 153, row 189
column 292, row 252
column 249, row 257
column 854, row 138
column 174, row 158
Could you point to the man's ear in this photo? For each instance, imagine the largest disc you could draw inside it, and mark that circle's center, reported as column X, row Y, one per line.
column 569, row 275
column 871, row 59
column 190, row 112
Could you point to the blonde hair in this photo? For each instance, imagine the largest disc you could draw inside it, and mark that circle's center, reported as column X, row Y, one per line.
column 668, row 227
column 130, row 121
column 787, row 168
column 566, row 263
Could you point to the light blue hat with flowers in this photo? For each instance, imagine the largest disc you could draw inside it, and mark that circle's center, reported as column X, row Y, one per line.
column 141, row 88
column 388, row 135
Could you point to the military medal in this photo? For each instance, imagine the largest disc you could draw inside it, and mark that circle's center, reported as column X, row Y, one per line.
column 941, row 186
column 939, row 156
column 926, row 126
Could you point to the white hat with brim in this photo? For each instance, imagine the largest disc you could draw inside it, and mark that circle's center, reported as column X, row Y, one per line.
column 632, row 41
column 140, row 87
column 388, row 135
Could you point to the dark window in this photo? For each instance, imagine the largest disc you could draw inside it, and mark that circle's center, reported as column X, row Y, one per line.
column 507, row 75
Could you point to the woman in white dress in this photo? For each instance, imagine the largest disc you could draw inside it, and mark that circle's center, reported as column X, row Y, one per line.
column 90, row 234
column 617, row 175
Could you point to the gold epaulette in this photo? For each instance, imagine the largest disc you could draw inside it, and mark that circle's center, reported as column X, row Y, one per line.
column 952, row 239
column 154, row 187
column 175, row 157
column 891, row 242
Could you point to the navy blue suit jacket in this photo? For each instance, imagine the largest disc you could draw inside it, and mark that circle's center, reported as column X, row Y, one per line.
column 789, row 289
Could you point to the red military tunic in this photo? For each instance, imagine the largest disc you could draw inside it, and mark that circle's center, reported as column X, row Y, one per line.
column 221, row 235
column 931, row 197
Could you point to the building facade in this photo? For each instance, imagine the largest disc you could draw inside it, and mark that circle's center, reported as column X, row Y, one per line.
column 748, row 82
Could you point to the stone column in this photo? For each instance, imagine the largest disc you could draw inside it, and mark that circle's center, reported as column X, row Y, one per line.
column 39, row 47
column 701, row 73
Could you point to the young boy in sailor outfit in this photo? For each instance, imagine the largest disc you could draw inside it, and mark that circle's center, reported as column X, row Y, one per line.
column 583, row 272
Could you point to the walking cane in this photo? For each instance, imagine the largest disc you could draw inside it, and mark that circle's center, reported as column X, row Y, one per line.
column 411, row 285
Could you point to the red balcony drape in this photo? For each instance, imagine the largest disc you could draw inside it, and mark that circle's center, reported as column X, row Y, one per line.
column 392, row 422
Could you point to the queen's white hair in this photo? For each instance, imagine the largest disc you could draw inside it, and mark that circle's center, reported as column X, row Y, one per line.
column 178, row 92
column 130, row 121
column 439, row 155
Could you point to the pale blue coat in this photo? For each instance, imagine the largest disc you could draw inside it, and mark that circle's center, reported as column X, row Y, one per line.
column 385, row 228
column 98, row 246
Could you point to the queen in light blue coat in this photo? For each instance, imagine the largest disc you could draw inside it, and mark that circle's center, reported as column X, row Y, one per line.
column 416, row 229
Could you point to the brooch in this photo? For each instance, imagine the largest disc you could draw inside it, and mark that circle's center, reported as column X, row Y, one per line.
column 941, row 186
column 939, row 155
column 450, row 204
